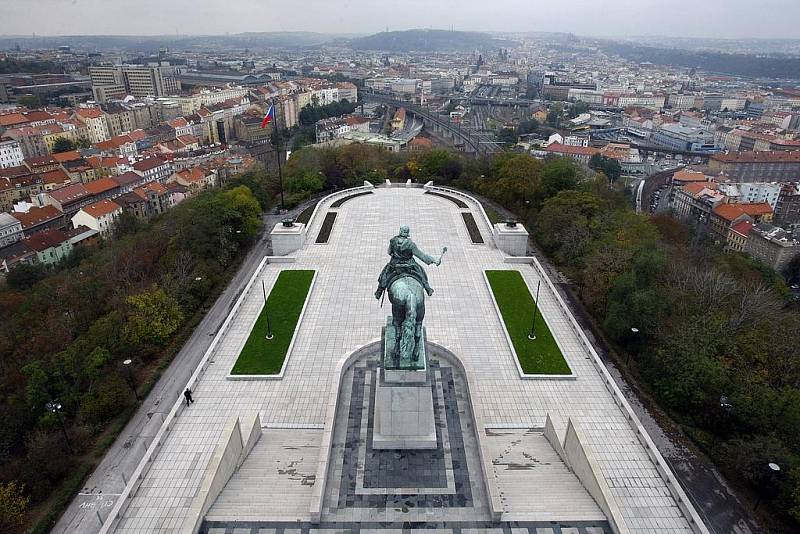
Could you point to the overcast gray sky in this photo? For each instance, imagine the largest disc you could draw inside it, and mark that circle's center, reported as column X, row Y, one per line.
column 703, row 18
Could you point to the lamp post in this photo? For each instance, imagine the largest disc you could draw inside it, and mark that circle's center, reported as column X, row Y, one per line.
column 532, row 334
column 772, row 470
column 635, row 332
column 55, row 407
column 127, row 363
column 266, row 310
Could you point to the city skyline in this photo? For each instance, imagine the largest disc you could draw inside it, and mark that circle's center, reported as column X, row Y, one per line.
column 713, row 19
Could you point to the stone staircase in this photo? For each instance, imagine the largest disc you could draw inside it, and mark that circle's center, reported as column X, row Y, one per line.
column 274, row 481
column 534, row 483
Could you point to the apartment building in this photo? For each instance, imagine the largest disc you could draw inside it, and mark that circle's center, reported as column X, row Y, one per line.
column 116, row 81
column 753, row 166
column 10, row 153
column 773, row 246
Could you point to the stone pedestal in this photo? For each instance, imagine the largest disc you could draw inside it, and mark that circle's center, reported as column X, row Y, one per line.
column 513, row 240
column 403, row 399
column 287, row 239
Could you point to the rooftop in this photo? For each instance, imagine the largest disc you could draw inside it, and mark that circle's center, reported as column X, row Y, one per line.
column 104, row 207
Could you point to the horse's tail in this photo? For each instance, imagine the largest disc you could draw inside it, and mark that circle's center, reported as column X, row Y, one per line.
column 409, row 325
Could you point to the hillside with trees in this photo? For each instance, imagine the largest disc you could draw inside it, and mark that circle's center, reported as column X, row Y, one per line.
column 64, row 392
column 776, row 66
column 429, row 41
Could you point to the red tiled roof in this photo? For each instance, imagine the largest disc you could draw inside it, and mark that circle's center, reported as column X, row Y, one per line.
column 89, row 113
column 38, row 161
column 36, row 216
column 754, row 209
column 38, row 115
column 148, row 164
column 70, row 193
column 742, row 227
column 694, row 188
column 686, row 175
column 100, row 186
column 45, row 239
column 56, row 176
column 728, row 212
column 127, row 178
column 104, row 207
column 13, row 119
column 70, row 155
column 137, row 135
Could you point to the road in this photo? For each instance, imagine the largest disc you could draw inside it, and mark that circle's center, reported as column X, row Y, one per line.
column 91, row 505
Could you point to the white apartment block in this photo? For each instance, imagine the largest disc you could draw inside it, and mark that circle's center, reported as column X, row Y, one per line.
column 10, row 229
column 10, row 154
column 752, row 192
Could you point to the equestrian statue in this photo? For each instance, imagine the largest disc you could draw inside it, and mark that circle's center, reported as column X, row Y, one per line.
column 406, row 283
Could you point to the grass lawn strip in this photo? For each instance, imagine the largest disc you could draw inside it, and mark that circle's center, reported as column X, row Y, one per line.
column 262, row 356
column 539, row 356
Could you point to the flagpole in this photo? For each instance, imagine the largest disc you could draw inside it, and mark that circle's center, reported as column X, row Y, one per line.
column 278, row 151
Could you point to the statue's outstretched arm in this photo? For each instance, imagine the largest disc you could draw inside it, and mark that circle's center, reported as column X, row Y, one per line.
column 427, row 260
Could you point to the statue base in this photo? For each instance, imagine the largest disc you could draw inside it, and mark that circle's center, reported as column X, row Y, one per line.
column 403, row 400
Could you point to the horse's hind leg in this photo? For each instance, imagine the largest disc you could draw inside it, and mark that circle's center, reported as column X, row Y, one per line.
column 396, row 312
column 417, row 337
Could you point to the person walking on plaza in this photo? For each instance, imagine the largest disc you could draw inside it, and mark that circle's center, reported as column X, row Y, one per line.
column 188, row 395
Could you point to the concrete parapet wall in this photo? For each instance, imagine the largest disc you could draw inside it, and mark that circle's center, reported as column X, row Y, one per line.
column 223, row 463
column 579, row 458
column 251, row 433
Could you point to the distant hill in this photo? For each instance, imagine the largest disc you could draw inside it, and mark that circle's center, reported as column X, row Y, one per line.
column 429, row 41
column 252, row 40
column 774, row 66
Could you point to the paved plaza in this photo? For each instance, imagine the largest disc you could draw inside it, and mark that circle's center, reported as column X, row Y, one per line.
column 366, row 490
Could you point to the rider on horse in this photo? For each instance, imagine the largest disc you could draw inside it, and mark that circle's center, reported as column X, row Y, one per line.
column 402, row 251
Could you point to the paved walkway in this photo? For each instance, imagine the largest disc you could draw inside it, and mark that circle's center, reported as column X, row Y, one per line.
column 342, row 314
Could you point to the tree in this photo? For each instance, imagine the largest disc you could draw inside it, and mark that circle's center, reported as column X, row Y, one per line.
column 577, row 108
column 608, row 166
column 433, row 162
column 153, row 317
column 554, row 115
column 30, row 101
column 13, row 504
column 63, row 145
column 24, row 276
column 127, row 223
column 527, row 127
column 558, row 174
column 507, row 136
column 566, row 225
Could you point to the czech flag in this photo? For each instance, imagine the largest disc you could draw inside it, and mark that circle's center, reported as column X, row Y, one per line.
column 269, row 116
